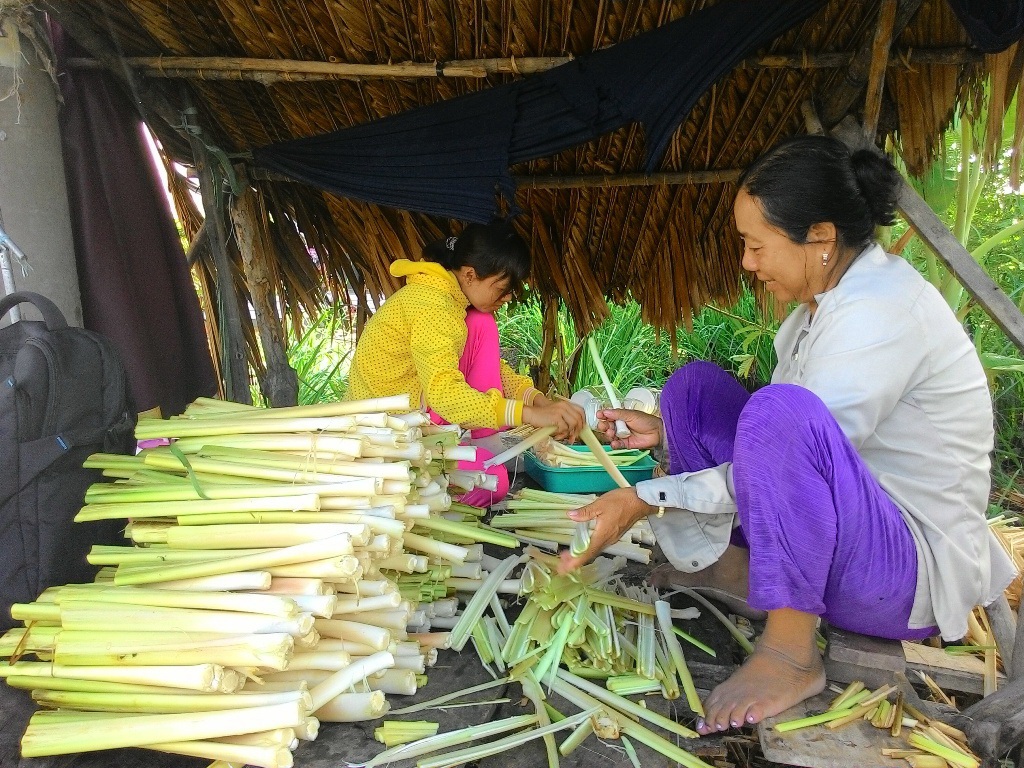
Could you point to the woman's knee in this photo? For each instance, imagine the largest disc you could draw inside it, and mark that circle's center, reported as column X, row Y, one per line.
column 693, row 377
column 779, row 409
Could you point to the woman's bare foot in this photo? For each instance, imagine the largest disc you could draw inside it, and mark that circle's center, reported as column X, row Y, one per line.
column 730, row 572
column 784, row 670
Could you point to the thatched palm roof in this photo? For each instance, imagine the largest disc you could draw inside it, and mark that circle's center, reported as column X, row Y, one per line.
column 671, row 246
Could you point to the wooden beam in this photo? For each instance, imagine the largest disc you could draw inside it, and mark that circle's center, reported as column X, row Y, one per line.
column 876, row 74
column 627, row 179
column 280, row 383
column 838, row 101
column 584, row 181
column 269, row 71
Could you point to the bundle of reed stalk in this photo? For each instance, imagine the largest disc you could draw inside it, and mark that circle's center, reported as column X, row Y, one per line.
column 285, row 566
column 539, row 518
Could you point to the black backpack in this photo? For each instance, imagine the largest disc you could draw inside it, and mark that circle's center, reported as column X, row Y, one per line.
column 63, row 396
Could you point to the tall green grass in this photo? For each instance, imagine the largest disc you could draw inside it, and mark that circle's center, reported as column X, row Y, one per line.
column 633, row 353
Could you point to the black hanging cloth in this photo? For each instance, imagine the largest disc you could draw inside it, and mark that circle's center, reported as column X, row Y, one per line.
column 993, row 25
column 450, row 158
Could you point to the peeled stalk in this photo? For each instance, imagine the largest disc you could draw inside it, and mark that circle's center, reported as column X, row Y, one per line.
column 300, row 553
column 270, row 605
column 150, row 703
column 353, row 708
column 95, row 616
column 63, row 739
column 197, row 677
column 247, row 536
column 445, row 740
column 472, row 754
column 102, row 511
column 342, row 680
column 623, row 704
column 229, row 754
column 663, row 611
column 591, row 441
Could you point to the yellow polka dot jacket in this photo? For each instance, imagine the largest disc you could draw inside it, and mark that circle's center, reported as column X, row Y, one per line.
column 413, row 344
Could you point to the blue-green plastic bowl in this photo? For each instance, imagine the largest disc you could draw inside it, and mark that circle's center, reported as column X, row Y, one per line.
column 584, row 479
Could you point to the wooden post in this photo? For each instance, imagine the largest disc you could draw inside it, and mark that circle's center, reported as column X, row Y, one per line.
column 549, row 339
column 876, row 74
column 1015, row 670
column 936, row 235
column 234, row 364
column 280, row 382
column 1004, row 629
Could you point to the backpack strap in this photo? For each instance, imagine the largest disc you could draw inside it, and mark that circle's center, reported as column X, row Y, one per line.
column 36, row 456
column 52, row 316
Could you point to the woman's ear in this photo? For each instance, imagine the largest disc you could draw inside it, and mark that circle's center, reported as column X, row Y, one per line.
column 467, row 273
column 822, row 232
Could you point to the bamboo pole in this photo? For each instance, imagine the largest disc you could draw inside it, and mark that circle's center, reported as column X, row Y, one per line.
column 268, row 71
column 876, row 74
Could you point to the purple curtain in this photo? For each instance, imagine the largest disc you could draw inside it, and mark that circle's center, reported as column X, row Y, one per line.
column 135, row 284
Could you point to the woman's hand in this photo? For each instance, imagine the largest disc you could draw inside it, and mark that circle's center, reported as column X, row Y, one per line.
column 645, row 429
column 567, row 418
column 616, row 512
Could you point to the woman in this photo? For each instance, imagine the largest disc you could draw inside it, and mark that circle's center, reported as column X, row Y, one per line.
column 859, row 478
column 436, row 339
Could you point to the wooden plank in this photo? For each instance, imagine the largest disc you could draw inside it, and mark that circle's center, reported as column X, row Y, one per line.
column 959, row 673
column 876, row 74
column 850, row 656
column 857, row 744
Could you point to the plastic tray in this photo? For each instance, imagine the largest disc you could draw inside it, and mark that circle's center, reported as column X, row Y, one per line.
column 584, row 479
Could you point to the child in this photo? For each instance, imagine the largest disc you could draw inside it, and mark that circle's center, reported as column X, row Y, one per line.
column 436, row 339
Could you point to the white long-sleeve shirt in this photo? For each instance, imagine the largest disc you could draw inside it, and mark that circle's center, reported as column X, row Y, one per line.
column 888, row 358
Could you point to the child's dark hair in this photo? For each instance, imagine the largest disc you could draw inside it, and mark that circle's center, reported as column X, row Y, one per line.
column 490, row 249
column 812, row 179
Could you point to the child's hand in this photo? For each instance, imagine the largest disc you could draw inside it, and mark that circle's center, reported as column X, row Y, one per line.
column 567, row 418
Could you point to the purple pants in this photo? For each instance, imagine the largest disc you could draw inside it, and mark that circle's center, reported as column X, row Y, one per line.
column 481, row 365
column 824, row 538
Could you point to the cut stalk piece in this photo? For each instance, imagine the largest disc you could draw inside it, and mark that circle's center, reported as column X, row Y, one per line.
column 541, row 434
column 621, row 430
column 451, row 739
column 510, row 742
column 591, row 441
column 740, row 638
column 663, row 611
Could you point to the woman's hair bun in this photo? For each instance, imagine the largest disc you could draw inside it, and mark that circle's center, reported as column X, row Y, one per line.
column 879, row 183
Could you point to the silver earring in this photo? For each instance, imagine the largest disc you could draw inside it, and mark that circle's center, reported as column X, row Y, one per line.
column 824, row 258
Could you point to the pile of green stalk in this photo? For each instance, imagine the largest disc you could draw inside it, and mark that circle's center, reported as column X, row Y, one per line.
column 583, row 636
column 285, row 567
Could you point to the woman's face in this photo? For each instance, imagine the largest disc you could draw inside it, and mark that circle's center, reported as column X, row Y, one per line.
column 790, row 271
column 487, row 294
